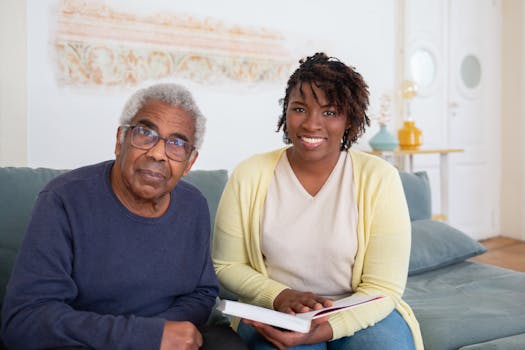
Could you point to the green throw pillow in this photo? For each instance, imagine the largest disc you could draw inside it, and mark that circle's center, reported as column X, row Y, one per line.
column 436, row 244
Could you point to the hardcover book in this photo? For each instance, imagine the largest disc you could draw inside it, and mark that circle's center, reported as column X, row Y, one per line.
column 299, row 322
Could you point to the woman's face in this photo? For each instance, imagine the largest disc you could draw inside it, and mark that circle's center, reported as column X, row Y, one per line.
column 313, row 124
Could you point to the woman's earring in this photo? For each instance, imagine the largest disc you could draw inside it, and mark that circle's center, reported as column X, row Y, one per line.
column 344, row 140
column 347, row 132
column 286, row 138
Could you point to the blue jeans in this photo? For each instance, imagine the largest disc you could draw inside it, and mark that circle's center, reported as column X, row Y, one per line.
column 391, row 333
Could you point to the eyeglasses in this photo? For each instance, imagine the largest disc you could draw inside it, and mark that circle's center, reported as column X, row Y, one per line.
column 145, row 138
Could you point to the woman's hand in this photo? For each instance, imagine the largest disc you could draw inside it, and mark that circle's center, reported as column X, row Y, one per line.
column 320, row 331
column 292, row 301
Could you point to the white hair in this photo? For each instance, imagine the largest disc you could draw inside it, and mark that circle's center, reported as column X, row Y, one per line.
column 174, row 95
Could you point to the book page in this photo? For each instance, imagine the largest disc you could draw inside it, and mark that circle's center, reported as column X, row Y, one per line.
column 339, row 305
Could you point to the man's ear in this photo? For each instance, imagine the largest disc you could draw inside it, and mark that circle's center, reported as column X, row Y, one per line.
column 191, row 161
column 117, row 144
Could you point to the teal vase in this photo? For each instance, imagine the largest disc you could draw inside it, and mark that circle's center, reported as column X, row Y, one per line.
column 383, row 140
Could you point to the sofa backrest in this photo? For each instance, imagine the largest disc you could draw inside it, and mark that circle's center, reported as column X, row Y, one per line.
column 211, row 183
column 19, row 188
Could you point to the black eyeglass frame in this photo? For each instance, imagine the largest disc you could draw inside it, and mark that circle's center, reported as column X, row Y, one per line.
column 188, row 147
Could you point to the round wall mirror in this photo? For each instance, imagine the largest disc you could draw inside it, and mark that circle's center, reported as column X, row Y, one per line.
column 422, row 68
column 470, row 71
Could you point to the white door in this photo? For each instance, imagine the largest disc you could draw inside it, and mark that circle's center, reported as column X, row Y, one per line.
column 473, row 115
column 452, row 52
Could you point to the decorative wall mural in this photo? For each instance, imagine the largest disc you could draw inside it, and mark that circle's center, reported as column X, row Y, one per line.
column 101, row 46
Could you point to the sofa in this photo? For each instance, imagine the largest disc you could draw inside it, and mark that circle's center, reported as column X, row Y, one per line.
column 459, row 304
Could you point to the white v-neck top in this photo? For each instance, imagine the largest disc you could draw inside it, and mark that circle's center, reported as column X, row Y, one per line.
column 309, row 242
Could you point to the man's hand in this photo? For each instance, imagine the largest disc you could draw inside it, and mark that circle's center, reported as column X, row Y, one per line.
column 180, row 336
column 292, row 301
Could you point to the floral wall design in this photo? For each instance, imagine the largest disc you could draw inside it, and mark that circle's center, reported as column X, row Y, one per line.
column 96, row 45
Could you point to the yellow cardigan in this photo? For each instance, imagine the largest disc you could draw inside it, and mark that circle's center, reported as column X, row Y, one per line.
column 383, row 235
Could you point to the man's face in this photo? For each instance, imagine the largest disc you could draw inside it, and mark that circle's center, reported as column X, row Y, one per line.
column 149, row 175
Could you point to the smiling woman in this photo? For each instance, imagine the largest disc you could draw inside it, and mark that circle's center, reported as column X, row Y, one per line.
column 315, row 128
column 319, row 197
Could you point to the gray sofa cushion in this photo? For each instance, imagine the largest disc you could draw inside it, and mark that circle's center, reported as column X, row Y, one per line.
column 436, row 245
column 514, row 342
column 417, row 192
column 467, row 303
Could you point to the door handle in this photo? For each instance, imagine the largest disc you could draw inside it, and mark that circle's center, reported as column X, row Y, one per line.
column 452, row 108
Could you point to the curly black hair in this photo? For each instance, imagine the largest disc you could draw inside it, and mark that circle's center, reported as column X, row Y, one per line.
column 344, row 88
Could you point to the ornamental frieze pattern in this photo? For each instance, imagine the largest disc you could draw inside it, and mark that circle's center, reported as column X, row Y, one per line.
column 98, row 46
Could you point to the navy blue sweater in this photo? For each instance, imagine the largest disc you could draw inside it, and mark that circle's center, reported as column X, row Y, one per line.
column 91, row 273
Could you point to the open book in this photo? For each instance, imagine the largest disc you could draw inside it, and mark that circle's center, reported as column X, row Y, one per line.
column 298, row 322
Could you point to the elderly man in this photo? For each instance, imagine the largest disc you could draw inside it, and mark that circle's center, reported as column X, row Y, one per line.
column 116, row 255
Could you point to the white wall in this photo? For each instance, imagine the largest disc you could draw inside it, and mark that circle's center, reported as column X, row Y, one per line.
column 13, row 83
column 44, row 124
column 513, row 120
column 69, row 127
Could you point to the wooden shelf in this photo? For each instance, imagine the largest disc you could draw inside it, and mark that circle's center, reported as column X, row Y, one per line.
column 400, row 152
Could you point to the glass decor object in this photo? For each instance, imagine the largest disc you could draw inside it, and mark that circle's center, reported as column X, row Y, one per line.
column 408, row 90
column 409, row 136
column 383, row 140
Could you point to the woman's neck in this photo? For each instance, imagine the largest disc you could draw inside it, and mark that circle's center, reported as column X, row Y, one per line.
column 312, row 174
